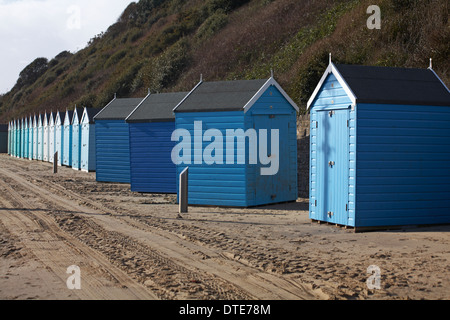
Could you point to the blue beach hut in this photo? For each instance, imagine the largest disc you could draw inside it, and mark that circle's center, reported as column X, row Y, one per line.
column 18, row 139
column 14, row 138
column 25, row 137
column 239, row 140
column 35, row 138
column 51, row 136
column 46, row 135
column 67, row 135
column 151, row 126
column 30, row 138
column 9, row 138
column 112, row 140
column 380, row 142
column 76, row 138
column 22, row 138
column 40, row 147
column 59, row 136
column 88, row 142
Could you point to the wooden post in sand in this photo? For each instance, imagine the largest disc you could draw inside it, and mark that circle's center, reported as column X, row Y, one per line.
column 55, row 162
column 183, row 194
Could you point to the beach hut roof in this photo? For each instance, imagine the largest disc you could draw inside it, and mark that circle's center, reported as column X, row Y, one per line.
column 68, row 117
column 90, row 113
column 387, row 85
column 118, row 109
column 157, row 107
column 235, row 95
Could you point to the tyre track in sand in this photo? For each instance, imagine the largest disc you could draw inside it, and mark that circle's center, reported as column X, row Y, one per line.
column 57, row 250
column 168, row 280
column 171, row 247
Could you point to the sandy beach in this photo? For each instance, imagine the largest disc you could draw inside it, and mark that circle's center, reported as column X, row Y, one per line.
column 134, row 246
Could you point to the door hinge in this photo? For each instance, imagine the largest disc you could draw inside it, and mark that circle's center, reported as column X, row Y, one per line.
column 348, row 123
column 317, row 124
column 315, row 203
column 346, row 207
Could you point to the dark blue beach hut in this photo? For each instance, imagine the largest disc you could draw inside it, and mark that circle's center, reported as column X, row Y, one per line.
column 239, row 140
column 112, row 140
column 4, row 138
column 380, row 143
column 151, row 126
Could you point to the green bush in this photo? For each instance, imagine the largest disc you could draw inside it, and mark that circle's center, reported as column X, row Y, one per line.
column 163, row 71
column 212, row 25
column 115, row 58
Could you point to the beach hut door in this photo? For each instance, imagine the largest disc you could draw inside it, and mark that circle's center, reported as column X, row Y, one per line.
column 333, row 165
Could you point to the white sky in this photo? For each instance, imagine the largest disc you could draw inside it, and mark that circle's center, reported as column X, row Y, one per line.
column 43, row 28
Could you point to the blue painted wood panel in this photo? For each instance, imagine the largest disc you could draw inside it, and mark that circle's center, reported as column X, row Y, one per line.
column 112, row 151
column 76, row 146
column 59, row 142
column 67, row 146
column 216, row 184
column 332, row 138
column 241, row 184
column 152, row 169
column 88, row 147
column 40, row 149
column 402, row 173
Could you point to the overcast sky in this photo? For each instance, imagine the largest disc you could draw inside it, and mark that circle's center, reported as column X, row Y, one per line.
column 43, row 28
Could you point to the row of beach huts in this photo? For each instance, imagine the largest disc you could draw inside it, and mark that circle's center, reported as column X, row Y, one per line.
column 379, row 150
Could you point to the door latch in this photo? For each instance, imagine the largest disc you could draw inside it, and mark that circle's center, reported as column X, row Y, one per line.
column 331, row 113
column 330, row 214
column 331, row 164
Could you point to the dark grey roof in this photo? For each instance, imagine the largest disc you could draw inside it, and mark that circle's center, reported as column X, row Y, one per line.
column 157, row 107
column 221, row 96
column 395, row 85
column 118, row 109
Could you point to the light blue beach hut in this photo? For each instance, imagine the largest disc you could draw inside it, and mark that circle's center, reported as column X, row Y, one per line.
column 35, row 138
column 51, row 136
column 67, row 137
column 380, row 140
column 22, row 137
column 30, row 138
column 59, row 136
column 40, row 147
column 25, row 138
column 46, row 135
column 76, row 138
column 88, row 140
column 18, row 138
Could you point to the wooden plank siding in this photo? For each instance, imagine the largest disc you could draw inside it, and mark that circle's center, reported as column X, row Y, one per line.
column 152, row 169
column 112, row 151
column 402, row 173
